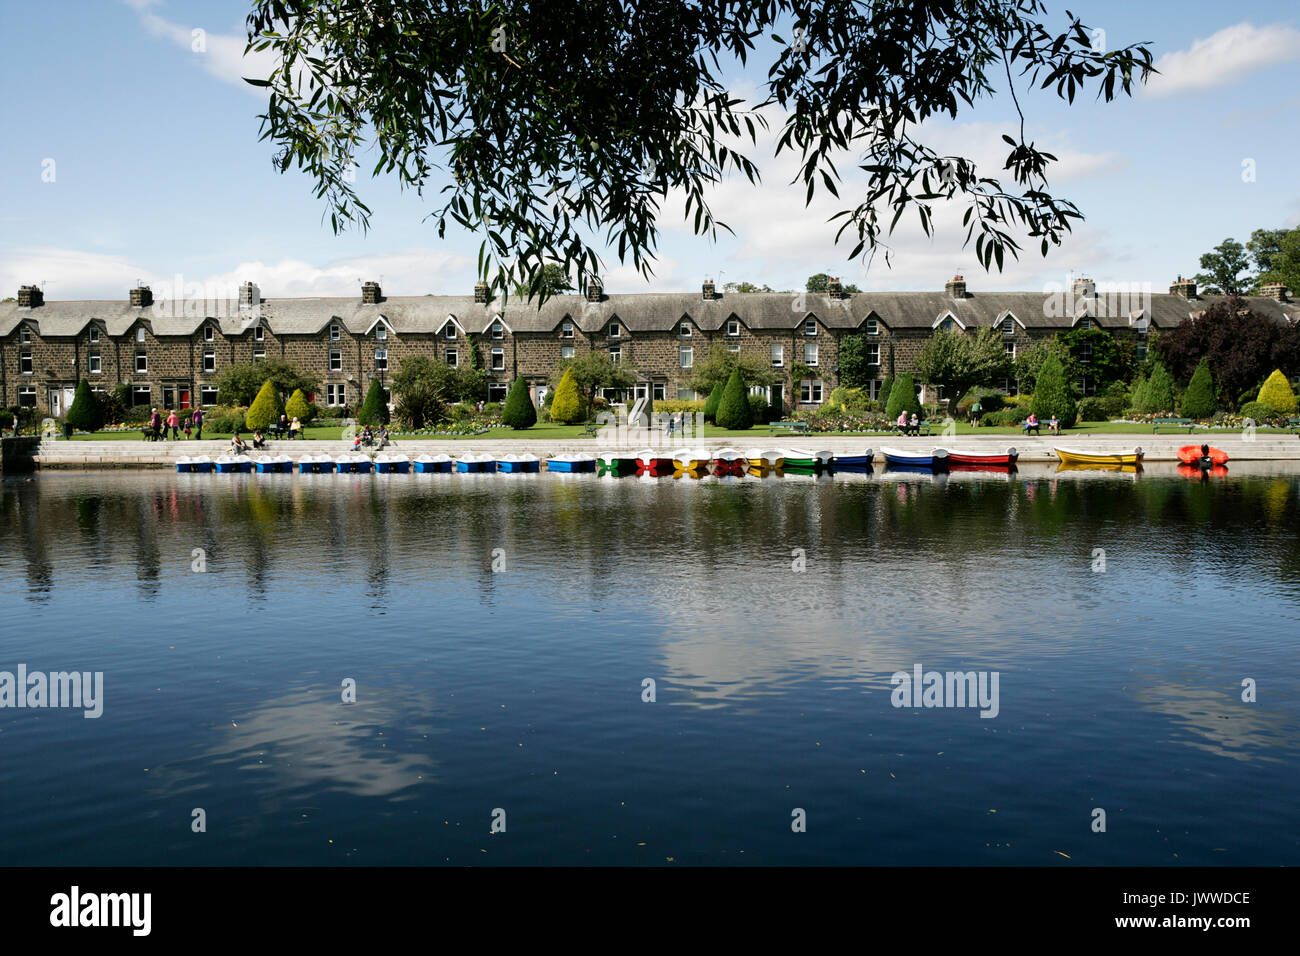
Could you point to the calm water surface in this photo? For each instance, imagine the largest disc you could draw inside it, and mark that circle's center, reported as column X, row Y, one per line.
column 521, row 689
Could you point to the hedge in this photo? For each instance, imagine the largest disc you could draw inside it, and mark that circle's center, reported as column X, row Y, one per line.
column 734, row 411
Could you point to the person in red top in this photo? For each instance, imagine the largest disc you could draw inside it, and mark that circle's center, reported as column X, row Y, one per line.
column 174, row 423
column 1031, row 423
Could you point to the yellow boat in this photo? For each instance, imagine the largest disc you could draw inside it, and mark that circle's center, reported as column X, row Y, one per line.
column 1134, row 470
column 1069, row 457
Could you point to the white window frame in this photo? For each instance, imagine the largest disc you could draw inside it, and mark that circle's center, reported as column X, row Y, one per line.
column 335, row 332
column 139, row 334
column 26, row 391
column 142, row 363
column 686, row 357
column 500, row 389
column 498, row 366
column 25, row 362
column 778, row 355
column 566, row 330
column 734, row 348
column 614, row 331
column 810, row 354
column 208, row 334
column 336, row 360
column 811, row 391
column 207, row 391
column 451, row 357
column 138, row 390
column 94, row 335
column 497, row 332
column 259, row 355
column 873, row 353
column 684, row 329
column 336, row 394
column 1010, row 349
column 566, row 352
column 733, row 327
column 658, row 390
column 381, row 332
column 381, row 360
column 872, row 327
column 810, row 327
column 209, row 360
column 616, row 354
column 259, row 333
column 94, row 363
column 449, row 332
column 24, row 335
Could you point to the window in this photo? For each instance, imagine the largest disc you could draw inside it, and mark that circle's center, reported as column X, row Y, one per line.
column 1085, row 351
column 810, row 328
column 169, row 396
column 207, row 333
column 27, row 396
column 778, row 356
column 734, row 348
column 1087, row 386
column 685, row 358
column 140, row 395
column 498, row 360
column 94, row 335
column 1008, row 326
column 1085, row 324
column 451, row 357
column 613, row 330
column 733, row 327
column 872, row 327
column 1010, row 349
column 24, row 335
column 209, row 360
column 616, row 353
column 259, row 334
column 566, row 351
column 336, row 360
column 207, row 395
column 947, row 325
column 810, row 393
column 810, row 353
column 449, row 331
column 497, row 331
column 566, row 330
column 335, row 333
column 658, row 391
column 336, row 395
column 93, row 363
column 139, row 334
column 686, row 394
column 873, row 389
column 259, row 355
column 25, row 362
column 381, row 360
column 684, row 330
column 497, row 392
column 873, row 353
column 141, row 362
column 1142, row 349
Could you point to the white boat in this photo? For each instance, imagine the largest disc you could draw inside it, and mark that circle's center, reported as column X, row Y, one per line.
column 515, row 464
column 199, row 463
column 429, row 464
column 801, row 458
column 353, row 464
column 230, row 464
column 476, row 463
column 389, row 464
column 273, row 464
column 760, row 458
column 696, row 459
column 309, row 464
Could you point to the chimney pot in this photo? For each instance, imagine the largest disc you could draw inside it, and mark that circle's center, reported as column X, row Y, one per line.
column 835, row 288
column 955, row 287
column 30, row 296
column 1183, row 287
column 480, row 291
column 708, row 291
column 370, row 294
column 141, row 296
column 1274, row 290
column 594, row 289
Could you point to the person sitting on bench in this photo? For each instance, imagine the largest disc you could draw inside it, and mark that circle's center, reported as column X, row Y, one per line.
column 902, row 422
column 258, row 440
column 914, row 426
column 1031, row 424
column 1054, row 426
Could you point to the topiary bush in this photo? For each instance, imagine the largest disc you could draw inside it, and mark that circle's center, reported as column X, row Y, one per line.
column 1198, row 400
column 1258, row 412
column 265, row 408
column 734, row 411
column 902, row 396
column 1277, row 394
column 712, row 402
column 1157, row 395
column 566, row 406
column 374, row 410
column 298, row 407
column 519, row 412
column 85, row 413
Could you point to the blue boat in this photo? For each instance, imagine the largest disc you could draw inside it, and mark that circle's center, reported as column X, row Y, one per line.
column 238, row 464
column 308, row 465
column 354, row 464
column 279, row 465
column 936, row 460
column 430, row 464
column 516, row 464
column 392, row 464
column 571, row 463
column 854, row 461
column 476, row 463
column 201, row 463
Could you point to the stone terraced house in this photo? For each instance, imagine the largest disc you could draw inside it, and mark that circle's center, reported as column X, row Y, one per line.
column 171, row 353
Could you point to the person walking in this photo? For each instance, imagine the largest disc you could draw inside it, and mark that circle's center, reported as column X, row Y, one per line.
column 975, row 414
column 15, row 425
column 198, row 424
column 174, row 423
column 155, row 424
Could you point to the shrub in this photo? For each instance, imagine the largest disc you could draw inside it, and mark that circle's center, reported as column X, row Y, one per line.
column 374, row 410
column 1093, row 409
column 1053, row 395
column 519, row 413
column 760, row 410
column 566, row 407
column 492, row 409
column 420, row 406
column 265, row 408
column 902, row 396
column 1258, row 412
column 712, row 402
column 85, row 412
column 1011, row 415
column 461, row 411
column 685, row 406
column 1198, row 400
column 734, row 411
column 138, row 414
column 1158, row 393
column 1277, row 394
column 850, row 400
column 298, row 407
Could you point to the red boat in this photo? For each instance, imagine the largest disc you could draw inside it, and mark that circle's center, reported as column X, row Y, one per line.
column 987, row 461
column 1192, row 455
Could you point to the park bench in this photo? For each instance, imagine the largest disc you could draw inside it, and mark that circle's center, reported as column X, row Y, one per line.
column 591, row 430
column 1293, row 424
column 922, row 428
column 801, row 427
column 1172, row 423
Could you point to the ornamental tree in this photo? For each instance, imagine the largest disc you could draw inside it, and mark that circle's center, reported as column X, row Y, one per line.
column 1199, row 400
column 734, row 411
column 266, row 407
column 1053, row 393
column 1277, row 394
column 519, row 412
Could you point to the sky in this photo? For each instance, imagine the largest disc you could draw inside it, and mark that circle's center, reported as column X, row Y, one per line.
column 131, row 156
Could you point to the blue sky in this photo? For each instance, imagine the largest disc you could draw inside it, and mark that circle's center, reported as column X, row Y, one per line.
column 158, row 171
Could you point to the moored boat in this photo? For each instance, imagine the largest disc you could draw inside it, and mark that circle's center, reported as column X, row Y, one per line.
column 936, row 459
column 353, row 464
column 1005, row 460
column 802, row 458
column 320, row 464
column 854, row 461
column 273, row 465
column 649, row 460
column 1202, row 456
column 1072, row 457
column 199, row 463
column 517, row 464
column 468, row 463
column 761, row 459
column 386, row 464
column 616, row 463
column 233, row 464
column 429, row 464
column 571, row 463
column 692, row 460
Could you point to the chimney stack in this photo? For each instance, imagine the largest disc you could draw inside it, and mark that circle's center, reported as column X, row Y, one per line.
column 1084, row 288
column 1183, row 287
column 249, row 294
column 480, row 291
column 30, row 296
column 141, row 296
column 370, row 294
column 594, row 289
column 1274, row 290
column 835, row 288
column 955, row 287
column 708, row 291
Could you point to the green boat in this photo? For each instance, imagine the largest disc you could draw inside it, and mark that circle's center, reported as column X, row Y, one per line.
column 612, row 463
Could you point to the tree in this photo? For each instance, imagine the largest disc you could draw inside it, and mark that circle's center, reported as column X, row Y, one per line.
column 239, row 384
column 1199, row 400
column 1029, row 361
column 566, row 405
column 298, row 407
column 85, row 413
column 519, row 412
column 448, row 383
column 957, row 361
column 886, row 387
column 734, row 411
column 374, row 410
column 855, row 367
column 593, row 371
column 1095, row 354
column 420, row 405
column 266, row 407
column 712, row 402
column 902, row 395
column 1157, row 394
column 1053, row 393
column 1277, row 394
column 820, row 283
column 717, row 366
column 1277, row 257
column 746, row 287
column 552, row 280
column 1225, row 263
column 557, row 143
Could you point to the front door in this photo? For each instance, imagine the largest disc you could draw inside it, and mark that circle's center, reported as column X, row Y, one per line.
column 185, row 398
column 777, row 399
column 61, row 400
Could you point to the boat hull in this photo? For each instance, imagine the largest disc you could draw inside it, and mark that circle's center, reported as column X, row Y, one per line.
column 1007, row 460
column 566, row 466
column 937, row 460
column 1069, row 457
column 1191, row 455
column 317, row 467
column 854, row 461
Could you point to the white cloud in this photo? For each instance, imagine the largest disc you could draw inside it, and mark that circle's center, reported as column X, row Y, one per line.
column 219, row 54
column 1223, row 57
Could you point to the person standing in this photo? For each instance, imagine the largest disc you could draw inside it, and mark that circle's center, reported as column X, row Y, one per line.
column 198, row 424
column 155, row 424
column 174, row 423
column 15, row 426
column 975, row 414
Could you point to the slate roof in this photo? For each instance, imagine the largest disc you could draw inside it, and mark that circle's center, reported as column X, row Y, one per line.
column 643, row 312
